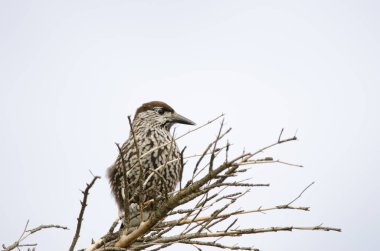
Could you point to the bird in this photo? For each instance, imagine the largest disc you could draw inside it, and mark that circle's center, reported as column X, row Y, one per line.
column 160, row 159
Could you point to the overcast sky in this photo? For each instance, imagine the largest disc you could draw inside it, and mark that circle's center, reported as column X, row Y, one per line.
column 71, row 72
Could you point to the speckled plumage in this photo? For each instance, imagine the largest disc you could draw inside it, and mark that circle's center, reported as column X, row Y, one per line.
column 151, row 126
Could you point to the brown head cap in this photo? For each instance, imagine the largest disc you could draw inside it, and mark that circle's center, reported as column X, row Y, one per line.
column 152, row 104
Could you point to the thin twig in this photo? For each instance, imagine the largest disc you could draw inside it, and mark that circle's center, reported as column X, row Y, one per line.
column 26, row 233
column 218, row 245
column 215, row 144
column 126, row 185
column 242, row 232
column 182, row 166
column 81, row 213
column 141, row 170
column 312, row 183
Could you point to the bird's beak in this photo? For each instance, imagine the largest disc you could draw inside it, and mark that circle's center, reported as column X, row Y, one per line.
column 181, row 119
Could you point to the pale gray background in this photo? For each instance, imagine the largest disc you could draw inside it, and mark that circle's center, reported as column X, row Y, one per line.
column 71, row 72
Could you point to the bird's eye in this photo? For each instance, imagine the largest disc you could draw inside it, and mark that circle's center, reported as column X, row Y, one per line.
column 161, row 111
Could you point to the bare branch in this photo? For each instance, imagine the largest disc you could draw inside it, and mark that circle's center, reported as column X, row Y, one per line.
column 126, row 193
column 81, row 213
column 26, row 233
column 218, row 245
column 211, row 163
column 241, row 232
column 279, row 137
column 213, row 189
column 142, row 170
column 312, row 183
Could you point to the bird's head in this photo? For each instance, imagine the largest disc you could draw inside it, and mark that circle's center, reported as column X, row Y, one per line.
column 159, row 114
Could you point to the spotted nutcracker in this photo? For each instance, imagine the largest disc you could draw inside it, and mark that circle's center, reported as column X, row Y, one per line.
column 161, row 165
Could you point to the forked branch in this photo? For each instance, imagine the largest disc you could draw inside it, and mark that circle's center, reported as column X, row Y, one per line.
column 26, row 233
